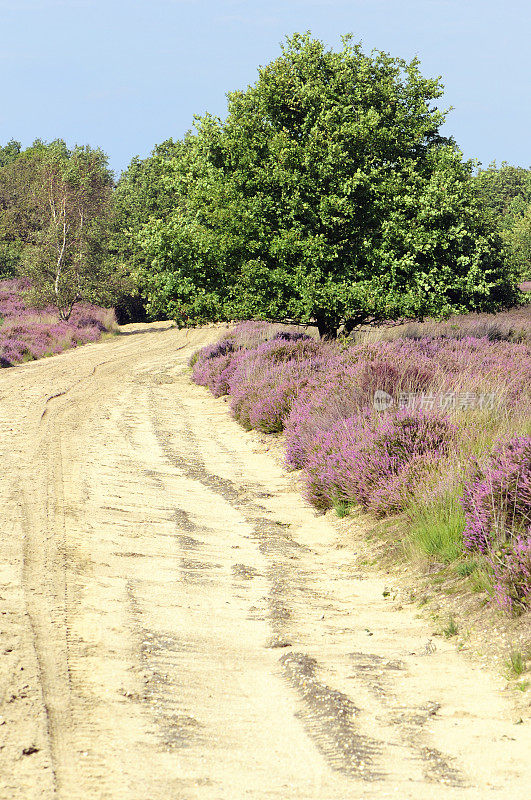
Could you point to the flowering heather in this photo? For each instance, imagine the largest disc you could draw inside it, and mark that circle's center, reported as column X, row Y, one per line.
column 497, row 498
column 214, row 366
column 266, row 381
column 249, row 335
column 321, row 394
column 27, row 334
column 346, row 385
column 372, row 459
column 510, row 326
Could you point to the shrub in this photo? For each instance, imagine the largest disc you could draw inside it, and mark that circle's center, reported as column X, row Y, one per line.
column 372, row 460
column 512, row 574
column 289, row 336
column 410, row 459
column 265, row 381
column 497, row 497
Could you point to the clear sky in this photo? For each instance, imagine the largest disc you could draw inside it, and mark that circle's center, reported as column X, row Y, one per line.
column 126, row 74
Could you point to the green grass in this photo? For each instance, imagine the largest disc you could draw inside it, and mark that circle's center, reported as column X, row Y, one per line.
column 481, row 580
column 342, row 508
column 451, row 628
column 436, row 529
column 466, row 567
column 515, row 664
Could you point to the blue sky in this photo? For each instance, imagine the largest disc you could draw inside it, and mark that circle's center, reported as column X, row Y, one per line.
column 127, row 75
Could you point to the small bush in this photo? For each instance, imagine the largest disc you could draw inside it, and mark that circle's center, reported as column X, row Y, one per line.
column 27, row 333
column 512, row 575
column 373, row 459
column 214, row 365
column 265, row 382
column 497, row 498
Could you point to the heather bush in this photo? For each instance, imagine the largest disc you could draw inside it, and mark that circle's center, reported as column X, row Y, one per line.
column 248, row 335
column 214, row 365
column 497, row 505
column 265, row 381
column 511, row 565
column 511, row 326
column 289, row 336
column 497, row 497
column 347, row 385
column 317, row 408
column 373, row 459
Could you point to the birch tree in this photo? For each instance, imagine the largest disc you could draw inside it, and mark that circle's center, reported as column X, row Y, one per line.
column 73, row 193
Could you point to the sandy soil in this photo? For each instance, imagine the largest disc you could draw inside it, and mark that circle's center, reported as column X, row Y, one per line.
column 177, row 623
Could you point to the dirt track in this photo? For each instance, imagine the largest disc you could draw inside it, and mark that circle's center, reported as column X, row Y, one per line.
column 177, row 623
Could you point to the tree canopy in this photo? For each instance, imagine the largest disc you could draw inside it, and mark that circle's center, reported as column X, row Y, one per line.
column 328, row 194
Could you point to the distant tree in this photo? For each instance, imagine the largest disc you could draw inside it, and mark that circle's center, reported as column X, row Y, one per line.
column 328, row 195
column 520, row 244
column 140, row 195
column 72, row 196
column 506, row 192
column 9, row 153
column 20, row 218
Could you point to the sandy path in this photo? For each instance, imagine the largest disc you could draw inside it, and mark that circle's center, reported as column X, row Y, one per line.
column 177, row 623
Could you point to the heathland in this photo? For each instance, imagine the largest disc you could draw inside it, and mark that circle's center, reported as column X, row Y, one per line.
column 185, row 614
column 327, row 197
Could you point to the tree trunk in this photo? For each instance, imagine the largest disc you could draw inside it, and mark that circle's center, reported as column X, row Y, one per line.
column 327, row 330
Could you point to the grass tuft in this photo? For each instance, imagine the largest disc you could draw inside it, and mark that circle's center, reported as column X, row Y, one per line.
column 515, row 664
column 451, row 628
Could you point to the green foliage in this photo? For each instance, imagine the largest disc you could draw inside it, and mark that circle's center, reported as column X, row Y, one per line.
column 190, row 254
column 20, row 218
column 342, row 508
column 505, row 192
column 10, row 257
column 56, row 209
column 142, row 194
column 451, row 628
column 9, row 153
column 516, row 664
column 519, row 240
column 327, row 195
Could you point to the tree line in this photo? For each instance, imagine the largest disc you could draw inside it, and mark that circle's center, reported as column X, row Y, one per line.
column 327, row 194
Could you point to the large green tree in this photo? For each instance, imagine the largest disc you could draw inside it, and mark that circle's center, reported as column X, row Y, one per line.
column 328, row 195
